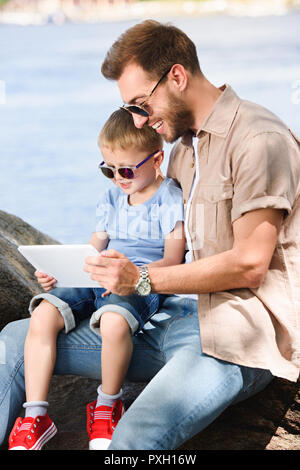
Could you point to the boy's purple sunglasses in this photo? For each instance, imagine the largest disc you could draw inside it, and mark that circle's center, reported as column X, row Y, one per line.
column 126, row 172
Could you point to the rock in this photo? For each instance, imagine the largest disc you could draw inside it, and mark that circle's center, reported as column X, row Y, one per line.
column 71, row 421
column 270, row 420
column 17, row 282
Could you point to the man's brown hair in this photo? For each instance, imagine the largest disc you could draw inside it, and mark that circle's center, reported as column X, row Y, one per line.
column 152, row 45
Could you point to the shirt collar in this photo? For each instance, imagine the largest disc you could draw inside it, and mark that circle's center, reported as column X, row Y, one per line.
column 220, row 119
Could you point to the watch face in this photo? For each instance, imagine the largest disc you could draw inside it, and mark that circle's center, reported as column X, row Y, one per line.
column 144, row 288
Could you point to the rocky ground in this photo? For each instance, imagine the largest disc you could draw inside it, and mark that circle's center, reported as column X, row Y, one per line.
column 268, row 421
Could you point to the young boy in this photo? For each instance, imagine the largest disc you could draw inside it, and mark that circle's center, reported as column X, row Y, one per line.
column 140, row 216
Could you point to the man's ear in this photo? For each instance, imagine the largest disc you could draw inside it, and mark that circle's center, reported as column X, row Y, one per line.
column 179, row 77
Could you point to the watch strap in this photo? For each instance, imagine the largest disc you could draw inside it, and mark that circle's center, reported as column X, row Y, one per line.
column 144, row 278
column 144, row 274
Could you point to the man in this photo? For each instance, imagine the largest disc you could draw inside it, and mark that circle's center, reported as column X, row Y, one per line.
column 238, row 167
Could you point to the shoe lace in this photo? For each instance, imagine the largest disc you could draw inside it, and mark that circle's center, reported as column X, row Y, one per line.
column 93, row 420
column 30, row 430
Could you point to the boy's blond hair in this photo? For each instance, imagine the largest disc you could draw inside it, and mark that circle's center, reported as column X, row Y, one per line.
column 119, row 131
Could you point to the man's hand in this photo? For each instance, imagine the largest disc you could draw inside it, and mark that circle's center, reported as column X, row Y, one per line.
column 113, row 271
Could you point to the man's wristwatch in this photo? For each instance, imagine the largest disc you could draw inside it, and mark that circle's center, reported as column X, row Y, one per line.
column 143, row 286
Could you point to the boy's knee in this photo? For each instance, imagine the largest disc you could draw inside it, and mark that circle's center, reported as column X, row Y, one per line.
column 45, row 316
column 113, row 326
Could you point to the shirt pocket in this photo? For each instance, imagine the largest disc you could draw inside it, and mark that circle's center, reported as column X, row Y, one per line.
column 212, row 203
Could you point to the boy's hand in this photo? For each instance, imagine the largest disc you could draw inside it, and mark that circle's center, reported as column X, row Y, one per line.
column 47, row 282
column 106, row 293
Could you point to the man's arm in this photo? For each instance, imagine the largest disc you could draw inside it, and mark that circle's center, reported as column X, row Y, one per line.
column 245, row 265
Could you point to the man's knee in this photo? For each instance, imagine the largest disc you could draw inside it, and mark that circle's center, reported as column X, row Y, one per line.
column 12, row 339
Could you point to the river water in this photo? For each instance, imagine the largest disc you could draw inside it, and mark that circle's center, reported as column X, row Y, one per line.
column 53, row 102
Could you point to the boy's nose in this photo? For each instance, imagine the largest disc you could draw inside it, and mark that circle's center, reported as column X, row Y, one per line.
column 139, row 121
column 117, row 176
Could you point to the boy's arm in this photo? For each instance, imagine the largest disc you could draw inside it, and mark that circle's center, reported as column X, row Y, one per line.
column 99, row 240
column 174, row 248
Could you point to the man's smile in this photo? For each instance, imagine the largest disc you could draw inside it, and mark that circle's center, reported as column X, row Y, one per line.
column 157, row 125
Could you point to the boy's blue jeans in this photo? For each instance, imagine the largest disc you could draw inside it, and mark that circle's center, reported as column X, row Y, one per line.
column 76, row 304
column 187, row 389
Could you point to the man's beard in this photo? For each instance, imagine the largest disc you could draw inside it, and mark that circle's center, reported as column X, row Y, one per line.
column 179, row 120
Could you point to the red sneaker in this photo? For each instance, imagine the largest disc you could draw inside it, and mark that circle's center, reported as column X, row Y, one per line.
column 31, row 433
column 101, row 423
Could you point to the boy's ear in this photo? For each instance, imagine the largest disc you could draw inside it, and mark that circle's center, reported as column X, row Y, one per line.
column 158, row 159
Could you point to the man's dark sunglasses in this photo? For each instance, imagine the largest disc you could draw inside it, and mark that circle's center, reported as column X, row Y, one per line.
column 127, row 172
column 138, row 109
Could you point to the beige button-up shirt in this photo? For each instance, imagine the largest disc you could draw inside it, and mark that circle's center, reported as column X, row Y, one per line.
column 248, row 159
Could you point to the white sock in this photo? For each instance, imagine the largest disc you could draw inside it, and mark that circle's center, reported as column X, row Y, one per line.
column 35, row 408
column 106, row 399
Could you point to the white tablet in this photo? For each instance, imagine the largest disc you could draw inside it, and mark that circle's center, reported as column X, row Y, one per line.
column 64, row 262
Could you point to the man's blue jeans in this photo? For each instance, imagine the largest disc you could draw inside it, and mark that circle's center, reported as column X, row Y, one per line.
column 187, row 389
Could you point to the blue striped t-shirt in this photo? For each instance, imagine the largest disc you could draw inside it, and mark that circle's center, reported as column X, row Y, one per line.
column 139, row 231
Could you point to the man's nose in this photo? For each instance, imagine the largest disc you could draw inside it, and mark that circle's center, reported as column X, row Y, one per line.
column 139, row 121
